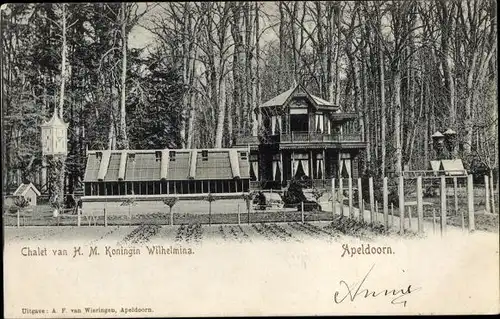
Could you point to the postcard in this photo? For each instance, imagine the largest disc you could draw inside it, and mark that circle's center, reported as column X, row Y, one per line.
column 232, row 158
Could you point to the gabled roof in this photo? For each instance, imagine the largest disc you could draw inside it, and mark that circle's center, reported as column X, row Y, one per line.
column 146, row 165
column 282, row 99
column 453, row 167
column 321, row 102
column 23, row 189
column 55, row 120
column 435, row 165
column 449, row 167
column 279, row 100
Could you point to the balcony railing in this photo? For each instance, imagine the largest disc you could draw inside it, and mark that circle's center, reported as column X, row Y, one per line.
column 319, row 137
column 300, row 137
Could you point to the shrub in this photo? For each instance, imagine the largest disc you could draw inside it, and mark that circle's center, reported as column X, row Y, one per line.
column 21, row 202
column 170, row 201
column 295, row 193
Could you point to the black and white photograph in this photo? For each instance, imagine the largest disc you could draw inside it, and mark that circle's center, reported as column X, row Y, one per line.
column 247, row 158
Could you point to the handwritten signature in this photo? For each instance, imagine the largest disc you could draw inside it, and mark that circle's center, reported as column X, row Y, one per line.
column 351, row 292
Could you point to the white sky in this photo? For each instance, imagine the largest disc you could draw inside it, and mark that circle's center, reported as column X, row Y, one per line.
column 140, row 37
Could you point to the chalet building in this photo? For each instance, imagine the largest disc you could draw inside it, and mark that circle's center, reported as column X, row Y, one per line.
column 179, row 172
column 302, row 136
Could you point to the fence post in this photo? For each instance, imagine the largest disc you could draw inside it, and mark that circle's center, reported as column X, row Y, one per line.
column 443, row 205
column 420, row 206
column 392, row 214
column 401, row 204
column 362, row 215
column 455, row 194
column 239, row 218
column 78, row 216
column 434, row 220
column 18, row 217
column 385, row 199
column 129, row 216
column 409, row 217
column 171, row 217
column 349, row 185
column 376, row 211
column 333, row 199
column 372, row 198
column 486, row 193
column 360, row 200
column 105, row 218
column 341, row 196
column 470, row 202
column 302, row 211
column 492, row 195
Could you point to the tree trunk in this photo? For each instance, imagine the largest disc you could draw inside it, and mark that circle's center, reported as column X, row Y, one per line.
column 124, row 144
column 257, row 98
column 221, row 112
column 468, row 122
column 382, row 110
column 249, row 78
column 192, row 104
column 185, row 73
column 237, row 68
column 397, row 120
column 63, row 61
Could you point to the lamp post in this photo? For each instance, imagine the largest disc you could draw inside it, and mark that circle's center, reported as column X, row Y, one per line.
column 438, row 143
column 450, row 142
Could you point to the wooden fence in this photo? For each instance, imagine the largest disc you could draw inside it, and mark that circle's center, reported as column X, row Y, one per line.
column 409, row 211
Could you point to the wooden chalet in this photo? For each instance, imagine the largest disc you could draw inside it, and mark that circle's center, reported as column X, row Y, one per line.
column 302, row 136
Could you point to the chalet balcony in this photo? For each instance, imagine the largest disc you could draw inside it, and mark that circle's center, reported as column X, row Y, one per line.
column 307, row 137
column 298, row 138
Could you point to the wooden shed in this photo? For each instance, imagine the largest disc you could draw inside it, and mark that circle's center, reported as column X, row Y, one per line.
column 28, row 191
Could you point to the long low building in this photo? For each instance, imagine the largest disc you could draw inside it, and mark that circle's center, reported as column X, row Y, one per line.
column 151, row 175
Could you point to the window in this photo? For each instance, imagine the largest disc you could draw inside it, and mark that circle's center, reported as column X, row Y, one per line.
column 121, row 188
column 171, row 154
column 243, row 155
column 204, row 155
column 158, row 156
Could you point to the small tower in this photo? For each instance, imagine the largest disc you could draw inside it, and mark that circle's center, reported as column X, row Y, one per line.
column 54, row 151
column 54, row 137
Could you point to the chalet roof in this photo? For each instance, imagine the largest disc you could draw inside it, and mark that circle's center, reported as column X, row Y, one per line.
column 170, row 164
column 284, row 97
column 279, row 100
column 23, row 189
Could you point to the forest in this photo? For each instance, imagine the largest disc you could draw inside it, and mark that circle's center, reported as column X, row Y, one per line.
column 407, row 68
